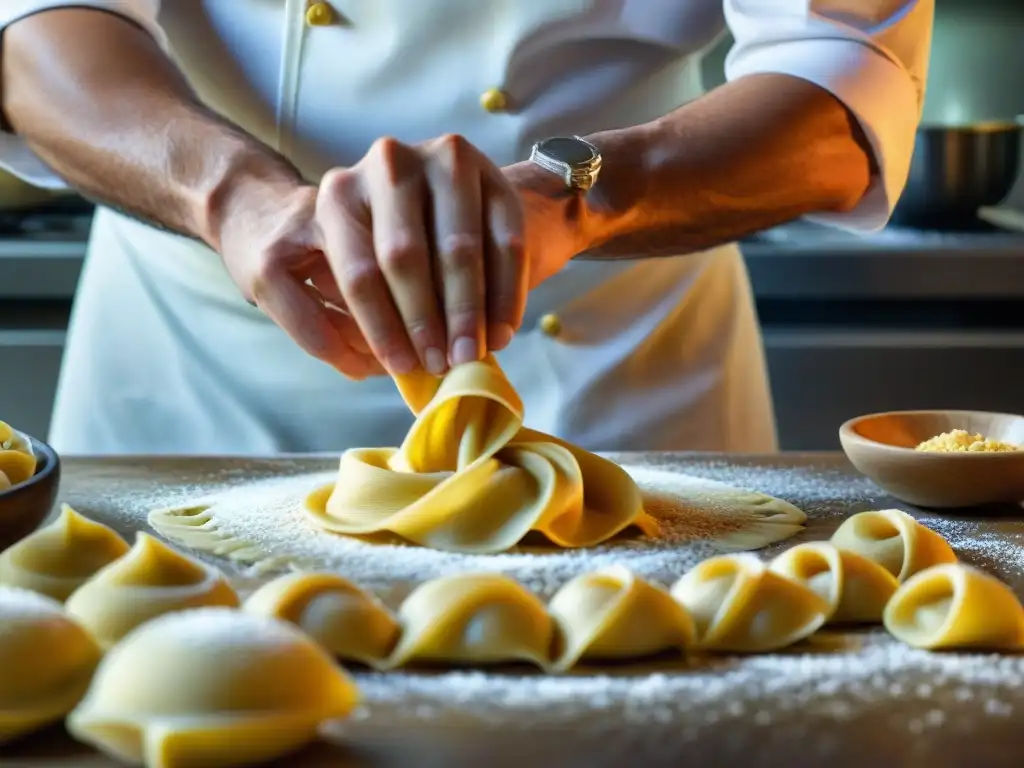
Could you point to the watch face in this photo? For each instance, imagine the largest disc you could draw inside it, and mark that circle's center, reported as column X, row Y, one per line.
column 568, row 150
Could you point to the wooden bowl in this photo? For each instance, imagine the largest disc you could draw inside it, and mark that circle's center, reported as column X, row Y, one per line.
column 881, row 445
column 25, row 505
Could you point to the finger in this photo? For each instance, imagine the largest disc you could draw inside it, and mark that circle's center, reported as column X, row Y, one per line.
column 453, row 173
column 296, row 311
column 343, row 216
column 397, row 194
column 361, row 363
column 323, row 281
column 507, row 266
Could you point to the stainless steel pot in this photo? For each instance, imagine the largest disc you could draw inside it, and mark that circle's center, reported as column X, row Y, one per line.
column 956, row 170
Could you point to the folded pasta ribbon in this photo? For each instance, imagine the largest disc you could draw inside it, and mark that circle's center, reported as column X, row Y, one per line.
column 470, row 478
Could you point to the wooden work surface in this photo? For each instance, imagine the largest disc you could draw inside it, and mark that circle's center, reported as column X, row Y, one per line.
column 808, row 707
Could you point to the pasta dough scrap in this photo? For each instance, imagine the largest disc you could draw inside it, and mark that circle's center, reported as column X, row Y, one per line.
column 470, row 478
column 150, row 580
column 739, row 605
column 894, row 540
column 857, row 589
column 211, row 687
column 350, row 623
column 473, row 619
column 17, row 461
column 954, row 606
column 614, row 614
column 46, row 662
column 58, row 558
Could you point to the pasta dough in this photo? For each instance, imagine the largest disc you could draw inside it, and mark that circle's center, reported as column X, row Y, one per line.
column 17, row 462
column 350, row 623
column 894, row 540
column 614, row 614
column 211, row 687
column 470, row 478
column 739, row 605
column 953, row 605
column 58, row 558
column 46, row 661
column 150, row 580
column 473, row 619
column 857, row 589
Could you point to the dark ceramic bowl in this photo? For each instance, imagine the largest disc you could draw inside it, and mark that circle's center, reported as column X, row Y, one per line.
column 25, row 505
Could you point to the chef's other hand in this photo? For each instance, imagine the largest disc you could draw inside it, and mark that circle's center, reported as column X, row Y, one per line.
column 425, row 243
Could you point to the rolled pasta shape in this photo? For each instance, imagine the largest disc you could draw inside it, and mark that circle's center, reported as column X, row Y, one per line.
column 473, row 619
column 613, row 614
column 46, row 662
column 149, row 580
column 738, row 605
column 211, row 687
column 350, row 623
column 856, row 588
column 894, row 540
column 954, row 606
column 58, row 558
column 469, row 477
column 17, row 461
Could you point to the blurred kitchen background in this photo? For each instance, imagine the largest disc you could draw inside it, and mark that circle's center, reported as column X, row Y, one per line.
column 928, row 313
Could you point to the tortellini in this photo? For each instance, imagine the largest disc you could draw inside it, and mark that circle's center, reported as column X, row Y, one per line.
column 17, row 461
column 612, row 614
column 739, row 605
column 46, row 662
column 955, row 606
column 149, row 580
column 856, row 589
column 58, row 558
column 211, row 687
column 470, row 478
column 350, row 623
column 473, row 619
column 894, row 540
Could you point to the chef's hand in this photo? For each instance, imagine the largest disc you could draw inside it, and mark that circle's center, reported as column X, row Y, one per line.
column 417, row 257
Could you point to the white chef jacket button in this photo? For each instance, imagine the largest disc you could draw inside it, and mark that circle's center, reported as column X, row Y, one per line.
column 494, row 100
column 550, row 324
column 319, row 15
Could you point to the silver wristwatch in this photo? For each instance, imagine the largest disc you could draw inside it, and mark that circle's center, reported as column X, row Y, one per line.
column 575, row 160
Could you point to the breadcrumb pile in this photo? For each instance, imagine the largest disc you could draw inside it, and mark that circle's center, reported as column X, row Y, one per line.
column 962, row 441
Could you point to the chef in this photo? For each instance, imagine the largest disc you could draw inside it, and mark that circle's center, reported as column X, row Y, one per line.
column 299, row 198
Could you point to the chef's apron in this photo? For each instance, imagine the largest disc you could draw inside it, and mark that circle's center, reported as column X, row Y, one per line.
column 163, row 355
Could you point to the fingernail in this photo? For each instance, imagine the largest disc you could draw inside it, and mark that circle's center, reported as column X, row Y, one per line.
column 435, row 360
column 401, row 364
column 500, row 336
column 464, row 350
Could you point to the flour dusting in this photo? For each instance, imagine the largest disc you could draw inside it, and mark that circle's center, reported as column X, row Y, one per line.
column 698, row 518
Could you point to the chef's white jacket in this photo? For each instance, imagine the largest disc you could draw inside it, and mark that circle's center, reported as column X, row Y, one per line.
column 163, row 355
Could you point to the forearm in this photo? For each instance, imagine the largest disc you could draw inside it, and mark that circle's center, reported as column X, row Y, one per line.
column 753, row 154
column 96, row 98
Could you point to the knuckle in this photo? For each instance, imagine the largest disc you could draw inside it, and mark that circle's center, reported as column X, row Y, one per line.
column 454, row 152
column 338, row 184
column 360, row 281
column 401, row 256
column 461, row 251
column 463, row 316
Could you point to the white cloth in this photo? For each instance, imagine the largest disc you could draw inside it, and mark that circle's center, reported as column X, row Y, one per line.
column 164, row 356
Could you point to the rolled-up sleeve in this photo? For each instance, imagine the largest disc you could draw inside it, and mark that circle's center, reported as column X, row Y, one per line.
column 872, row 55
column 15, row 155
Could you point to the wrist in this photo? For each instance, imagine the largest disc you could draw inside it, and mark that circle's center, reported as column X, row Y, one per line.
column 250, row 183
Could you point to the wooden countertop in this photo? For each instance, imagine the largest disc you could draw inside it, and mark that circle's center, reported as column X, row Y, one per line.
column 850, row 699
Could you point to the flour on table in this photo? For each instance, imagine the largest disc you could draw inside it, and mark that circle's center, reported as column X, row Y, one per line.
column 261, row 525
